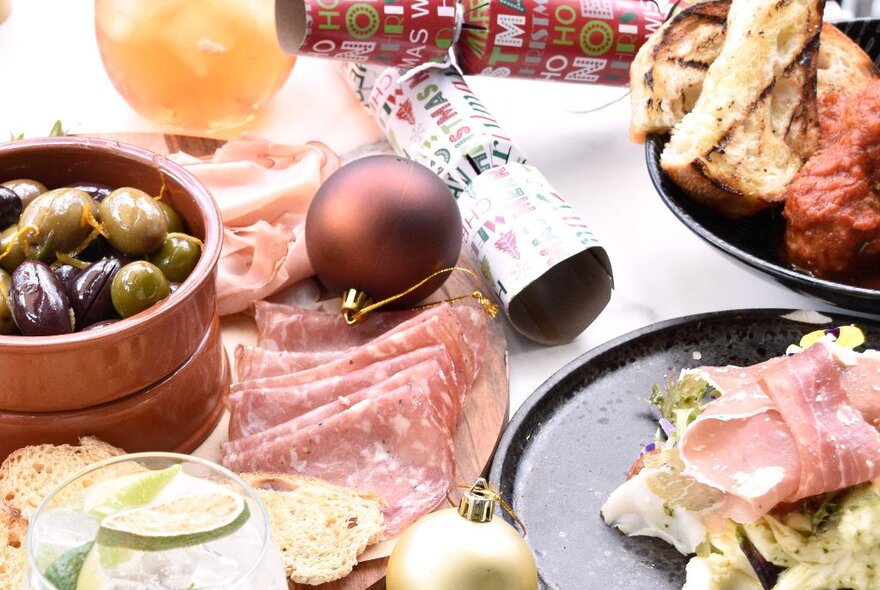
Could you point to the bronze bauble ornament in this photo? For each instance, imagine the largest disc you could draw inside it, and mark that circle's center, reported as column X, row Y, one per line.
column 462, row 549
column 380, row 225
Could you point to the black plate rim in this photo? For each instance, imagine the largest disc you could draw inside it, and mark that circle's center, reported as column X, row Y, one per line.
column 653, row 146
column 531, row 403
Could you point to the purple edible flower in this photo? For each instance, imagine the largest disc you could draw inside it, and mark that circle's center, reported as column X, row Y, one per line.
column 649, row 448
column 667, row 427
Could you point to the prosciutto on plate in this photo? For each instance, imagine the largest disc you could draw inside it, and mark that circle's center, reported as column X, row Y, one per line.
column 378, row 415
column 787, row 429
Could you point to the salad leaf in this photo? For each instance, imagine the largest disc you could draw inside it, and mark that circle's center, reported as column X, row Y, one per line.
column 680, row 403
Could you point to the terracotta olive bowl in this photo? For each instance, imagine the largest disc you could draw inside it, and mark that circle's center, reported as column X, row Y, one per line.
column 142, row 356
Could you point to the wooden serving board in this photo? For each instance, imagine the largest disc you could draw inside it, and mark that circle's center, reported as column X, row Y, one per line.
column 484, row 415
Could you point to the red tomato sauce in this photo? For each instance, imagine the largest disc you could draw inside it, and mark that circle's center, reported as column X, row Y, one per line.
column 833, row 206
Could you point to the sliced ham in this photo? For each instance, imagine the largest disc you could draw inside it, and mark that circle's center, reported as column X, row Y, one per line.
column 397, row 446
column 263, row 190
column 429, row 375
column 254, row 362
column 258, row 409
column 786, row 429
column 282, row 327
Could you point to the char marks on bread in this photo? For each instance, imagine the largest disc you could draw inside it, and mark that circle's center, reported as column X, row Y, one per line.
column 755, row 122
column 668, row 71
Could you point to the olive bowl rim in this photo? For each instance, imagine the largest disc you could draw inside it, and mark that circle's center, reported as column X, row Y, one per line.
column 204, row 270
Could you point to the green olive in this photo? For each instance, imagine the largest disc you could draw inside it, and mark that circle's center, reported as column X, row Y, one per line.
column 7, row 324
column 175, row 221
column 178, row 256
column 61, row 222
column 16, row 256
column 134, row 221
column 26, row 189
column 137, row 286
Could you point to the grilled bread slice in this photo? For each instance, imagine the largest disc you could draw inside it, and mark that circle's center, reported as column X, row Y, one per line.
column 755, row 122
column 667, row 73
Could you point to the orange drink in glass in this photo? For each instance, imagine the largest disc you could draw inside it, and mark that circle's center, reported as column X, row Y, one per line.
column 197, row 65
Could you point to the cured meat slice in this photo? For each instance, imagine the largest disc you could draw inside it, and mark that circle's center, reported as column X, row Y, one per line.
column 397, row 446
column 254, row 362
column 786, row 429
column 861, row 381
column 256, row 410
column 434, row 325
column 741, row 396
column 282, row 327
column 429, row 375
column 754, row 459
column 837, row 447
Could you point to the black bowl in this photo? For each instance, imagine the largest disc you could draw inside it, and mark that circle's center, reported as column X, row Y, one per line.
column 757, row 241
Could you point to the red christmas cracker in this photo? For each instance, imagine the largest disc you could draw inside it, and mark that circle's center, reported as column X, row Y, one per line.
column 587, row 41
column 404, row 33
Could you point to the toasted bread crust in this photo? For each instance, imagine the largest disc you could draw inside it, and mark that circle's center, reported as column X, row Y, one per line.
column 753, row 125
column 668, row 71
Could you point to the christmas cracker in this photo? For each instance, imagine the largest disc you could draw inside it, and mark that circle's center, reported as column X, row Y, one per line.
column 404, row 33
column 585, row 41
column 516, row 227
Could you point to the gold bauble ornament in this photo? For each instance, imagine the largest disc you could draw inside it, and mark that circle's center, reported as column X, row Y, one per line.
column 462, row 549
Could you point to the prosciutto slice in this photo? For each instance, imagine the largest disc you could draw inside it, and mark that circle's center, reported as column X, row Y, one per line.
column 837, row 447
column 397, row 446
column 282, row 327
column 784, row 430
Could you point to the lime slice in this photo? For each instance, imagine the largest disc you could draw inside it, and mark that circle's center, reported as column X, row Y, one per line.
column 64, row 571
column 181, row 522
column 126, row 491
column 91, row 575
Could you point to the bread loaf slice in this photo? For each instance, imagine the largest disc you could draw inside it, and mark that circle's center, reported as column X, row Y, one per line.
column 320, row 528
column 13, row 532
column 667, row 74
column 755, row 122
column 29, row 474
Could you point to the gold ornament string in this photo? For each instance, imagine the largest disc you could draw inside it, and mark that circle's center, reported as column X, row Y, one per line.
column 353, row 309
column 492, row 495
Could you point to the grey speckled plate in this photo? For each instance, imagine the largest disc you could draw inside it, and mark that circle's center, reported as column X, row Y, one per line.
column 572, row 441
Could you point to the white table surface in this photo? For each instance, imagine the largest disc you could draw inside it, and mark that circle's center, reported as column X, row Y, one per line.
column 50, row 69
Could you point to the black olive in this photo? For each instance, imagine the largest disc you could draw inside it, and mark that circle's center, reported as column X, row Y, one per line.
column 90, row 292
column 66, row 273
column 39, row 305
column 10, row 206
column 96, row 190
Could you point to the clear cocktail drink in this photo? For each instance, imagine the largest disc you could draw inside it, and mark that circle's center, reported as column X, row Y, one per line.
column 153, row 522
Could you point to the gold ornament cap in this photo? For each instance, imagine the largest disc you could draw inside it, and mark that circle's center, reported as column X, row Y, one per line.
column 478, row 503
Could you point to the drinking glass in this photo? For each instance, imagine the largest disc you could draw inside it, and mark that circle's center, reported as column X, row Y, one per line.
column 194, row 65
column 145, row 496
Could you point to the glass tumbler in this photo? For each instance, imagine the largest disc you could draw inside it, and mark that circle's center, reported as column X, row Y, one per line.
column 153, row 521
column 193, row 65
